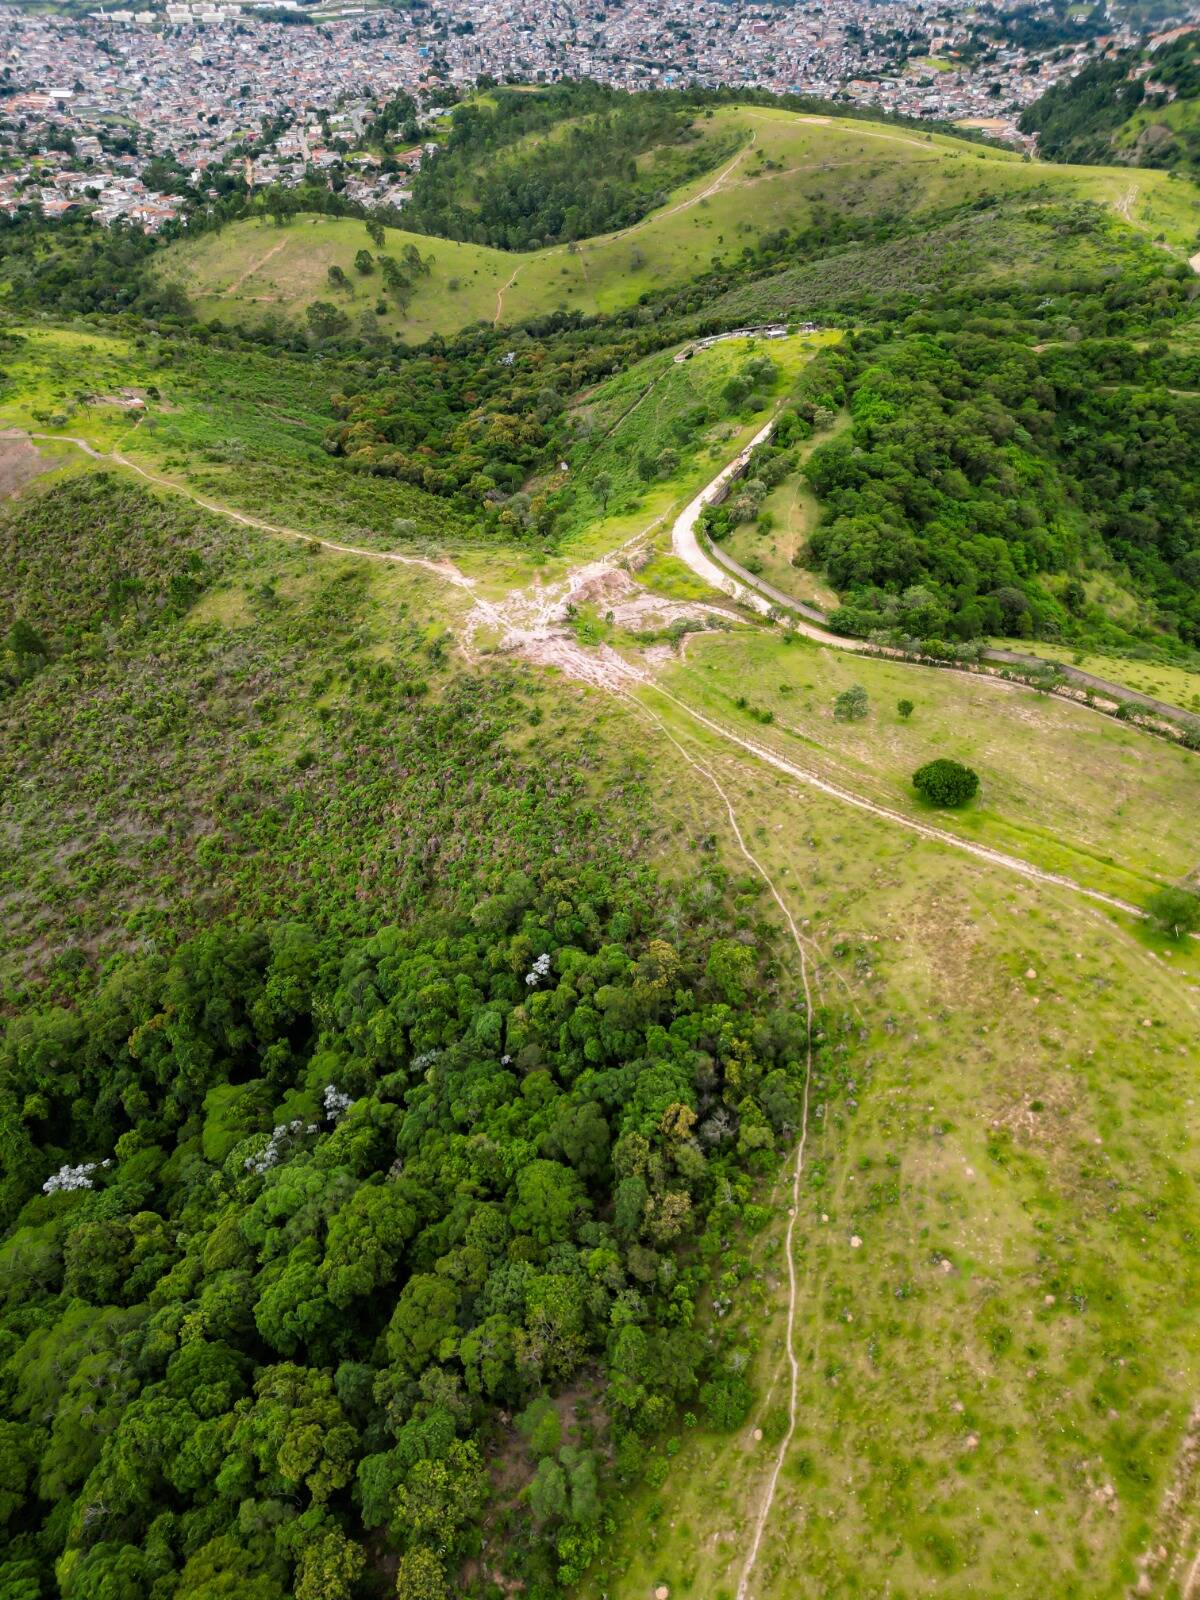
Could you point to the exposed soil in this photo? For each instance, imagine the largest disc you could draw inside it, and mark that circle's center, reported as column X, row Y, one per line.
column 20, row 460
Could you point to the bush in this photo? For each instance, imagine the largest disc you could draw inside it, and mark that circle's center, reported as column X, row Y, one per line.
column 851, row 705
column 1175, row 912
column 946, row 783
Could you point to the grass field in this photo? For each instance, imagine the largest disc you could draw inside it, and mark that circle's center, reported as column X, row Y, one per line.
column 788, row 164
column 994, row 1383
column 1061, row 786
column 1176, row 684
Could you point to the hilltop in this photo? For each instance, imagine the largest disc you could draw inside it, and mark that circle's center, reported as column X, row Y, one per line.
column 790, row 171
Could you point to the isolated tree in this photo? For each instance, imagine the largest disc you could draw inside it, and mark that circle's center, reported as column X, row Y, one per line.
column 602, row 488
column 946, row 783
column 905, row 708
column 364, row 262
column 851, row 705
column 338, row 278
column 375, row 233
column 1175, row 912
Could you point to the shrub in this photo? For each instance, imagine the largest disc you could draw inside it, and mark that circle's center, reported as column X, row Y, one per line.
column 946, row 783
column 851, row 705
column 1175, row 912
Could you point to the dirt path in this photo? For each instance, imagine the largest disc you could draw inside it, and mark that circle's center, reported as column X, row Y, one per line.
column 446, row 570
column 530, row 622
column 624, row 233
column 257, row 266
column 502, row 291
column 927, row 830
column 768, row 1497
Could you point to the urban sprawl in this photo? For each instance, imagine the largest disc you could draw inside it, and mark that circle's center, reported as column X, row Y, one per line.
column 137, row 115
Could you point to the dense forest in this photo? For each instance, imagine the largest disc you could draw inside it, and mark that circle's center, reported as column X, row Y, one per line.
column 976, row 465
column 306, row 1236
column 363, row 1162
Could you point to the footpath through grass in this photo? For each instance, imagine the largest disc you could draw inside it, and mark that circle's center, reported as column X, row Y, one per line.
column 997, row 1354
column 1061, row 786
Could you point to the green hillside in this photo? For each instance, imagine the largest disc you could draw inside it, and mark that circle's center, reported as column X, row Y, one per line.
column 791, row 172
column 1141, row 107
column 511, row 1080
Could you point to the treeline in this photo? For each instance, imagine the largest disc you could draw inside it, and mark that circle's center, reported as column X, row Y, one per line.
column 306, row 1238
column 474, row 417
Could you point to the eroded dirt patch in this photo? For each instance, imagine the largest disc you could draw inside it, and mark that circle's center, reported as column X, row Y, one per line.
column 20, row 460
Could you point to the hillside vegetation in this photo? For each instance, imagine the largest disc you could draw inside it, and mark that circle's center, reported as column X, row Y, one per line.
column 1140, row 107
column 805, row 167
column 508, row 1081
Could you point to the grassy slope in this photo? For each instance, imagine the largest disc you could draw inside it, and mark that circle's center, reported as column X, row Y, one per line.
column 1002, row 1108
column 794, row 512
column 852, row 166
column 243, row 428
column 1177, row 684
column 1060, row 785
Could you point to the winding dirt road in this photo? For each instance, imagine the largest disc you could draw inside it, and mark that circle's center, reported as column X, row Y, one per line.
column 533, row 622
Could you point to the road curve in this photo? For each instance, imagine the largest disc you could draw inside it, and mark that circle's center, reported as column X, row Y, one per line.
column 724, row 573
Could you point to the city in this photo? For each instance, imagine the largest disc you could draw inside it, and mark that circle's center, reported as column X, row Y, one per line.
column 141, row 116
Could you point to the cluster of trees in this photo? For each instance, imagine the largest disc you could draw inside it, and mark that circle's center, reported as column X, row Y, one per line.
column 525, row 170
column 73, row 267
column 473, row 418
column 574, row 183
column 977, row 464
column 294, row 1225
column 1077, row 119
column 327, row 322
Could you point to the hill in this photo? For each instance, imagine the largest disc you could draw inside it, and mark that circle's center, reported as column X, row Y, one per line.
column 1140, row 107
column 790, row 172
column 506, row 1083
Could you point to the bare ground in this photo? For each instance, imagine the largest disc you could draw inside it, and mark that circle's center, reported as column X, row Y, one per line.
column 20, row 460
